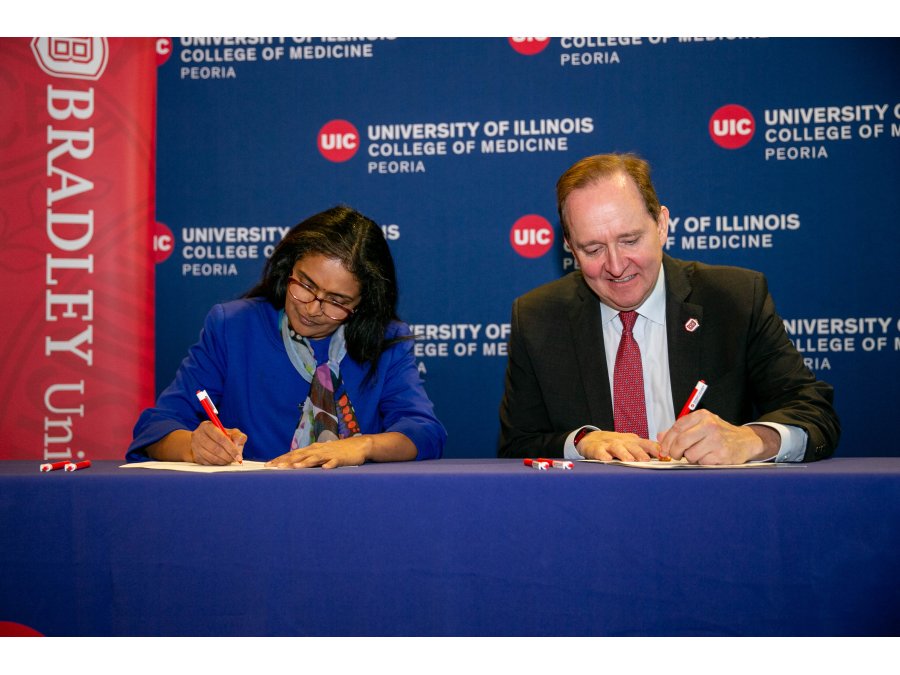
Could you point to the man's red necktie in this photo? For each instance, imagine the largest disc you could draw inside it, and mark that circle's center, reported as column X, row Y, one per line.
column 629, row 408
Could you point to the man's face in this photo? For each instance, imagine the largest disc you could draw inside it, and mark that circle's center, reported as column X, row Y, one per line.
column 616, row 242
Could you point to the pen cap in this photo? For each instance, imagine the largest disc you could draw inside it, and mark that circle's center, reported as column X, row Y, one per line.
column 700, row 390
column 203, row 396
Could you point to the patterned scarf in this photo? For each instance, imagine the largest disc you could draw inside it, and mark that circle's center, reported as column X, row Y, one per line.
column 327, row 413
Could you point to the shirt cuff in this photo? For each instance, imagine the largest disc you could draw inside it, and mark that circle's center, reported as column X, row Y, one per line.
column 570, row 451
column 793, row 441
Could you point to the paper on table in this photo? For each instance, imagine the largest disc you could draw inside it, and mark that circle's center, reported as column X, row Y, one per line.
column 198, row 468
column 248, row 465
column 684, row 464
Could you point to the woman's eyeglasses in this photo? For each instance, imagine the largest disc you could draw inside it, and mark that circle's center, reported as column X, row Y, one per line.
column 303, row 293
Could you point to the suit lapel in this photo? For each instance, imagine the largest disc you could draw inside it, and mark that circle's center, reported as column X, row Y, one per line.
column 684, row 345
column 587, row 333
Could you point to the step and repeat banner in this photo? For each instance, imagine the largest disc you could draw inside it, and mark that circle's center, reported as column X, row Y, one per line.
column 77, row 143
column 778, row 155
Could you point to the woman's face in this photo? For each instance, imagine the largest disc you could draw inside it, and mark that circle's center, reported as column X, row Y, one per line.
column 329, row 280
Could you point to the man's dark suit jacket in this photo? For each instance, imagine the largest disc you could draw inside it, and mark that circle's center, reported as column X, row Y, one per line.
column 557, row 380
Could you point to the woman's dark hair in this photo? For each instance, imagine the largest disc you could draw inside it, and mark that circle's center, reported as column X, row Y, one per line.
column 359, row 244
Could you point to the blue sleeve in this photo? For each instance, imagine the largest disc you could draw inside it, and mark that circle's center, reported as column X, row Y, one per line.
column 178, row 407
column 404, row 405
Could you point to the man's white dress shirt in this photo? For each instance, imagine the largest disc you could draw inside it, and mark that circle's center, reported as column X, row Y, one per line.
column 650, row 334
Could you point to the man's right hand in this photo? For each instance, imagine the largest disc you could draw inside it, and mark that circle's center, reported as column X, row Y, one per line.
column 608, row 445
column 211, row 446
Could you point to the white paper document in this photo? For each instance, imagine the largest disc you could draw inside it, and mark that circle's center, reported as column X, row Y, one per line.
column 248, row 465
column 199, row 468
column 684, row 464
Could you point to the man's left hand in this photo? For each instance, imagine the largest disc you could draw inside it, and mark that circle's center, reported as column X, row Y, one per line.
column 704, row 438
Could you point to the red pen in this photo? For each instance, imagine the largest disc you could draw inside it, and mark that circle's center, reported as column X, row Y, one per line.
column 210, row 409
column 694, row 399
column 557, row 463
column 54, row 466
column 691, row 405
column 80, row 465
column 539, row 464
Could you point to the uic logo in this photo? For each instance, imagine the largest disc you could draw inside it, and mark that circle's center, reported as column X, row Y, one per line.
column 163, row 242
column 338, row 140
column 531, row 236
column 83, row 58
column 732, row 126
column 163, row 50
column 529, row 45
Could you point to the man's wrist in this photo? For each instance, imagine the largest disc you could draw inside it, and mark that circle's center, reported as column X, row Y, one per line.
column 569, row 449
column 770, row 442
column 584, row 431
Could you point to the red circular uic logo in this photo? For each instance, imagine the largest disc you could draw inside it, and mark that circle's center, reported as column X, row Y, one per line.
column 338, row 140
column 732, row 126
column 529, row 45
column 163, row 243
column 163, row 50
column 531, row 236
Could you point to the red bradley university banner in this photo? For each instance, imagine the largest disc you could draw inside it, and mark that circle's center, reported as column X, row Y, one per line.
column 77, row 143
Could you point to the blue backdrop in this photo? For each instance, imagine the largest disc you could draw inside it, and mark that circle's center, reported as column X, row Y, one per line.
column 779, row 155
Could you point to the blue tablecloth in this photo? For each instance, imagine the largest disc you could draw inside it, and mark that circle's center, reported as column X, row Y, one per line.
column 453, row 547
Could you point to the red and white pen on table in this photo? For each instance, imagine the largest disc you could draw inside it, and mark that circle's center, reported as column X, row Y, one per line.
column 72, row 466
column 542, row 464
column 54, row 466
column 557, row 463
column 210, row 409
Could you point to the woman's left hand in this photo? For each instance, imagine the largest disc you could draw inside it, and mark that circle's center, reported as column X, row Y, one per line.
column 351, row 451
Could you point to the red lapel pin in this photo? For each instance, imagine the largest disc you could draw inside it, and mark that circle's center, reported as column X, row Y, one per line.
column 692, row 325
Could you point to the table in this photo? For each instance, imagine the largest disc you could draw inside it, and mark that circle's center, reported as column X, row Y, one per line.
column 453, row 547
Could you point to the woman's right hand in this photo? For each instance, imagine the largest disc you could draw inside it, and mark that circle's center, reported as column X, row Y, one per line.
column 209, row 446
